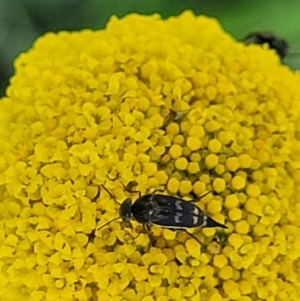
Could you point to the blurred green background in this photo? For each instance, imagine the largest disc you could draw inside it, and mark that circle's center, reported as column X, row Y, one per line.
column 22, row 21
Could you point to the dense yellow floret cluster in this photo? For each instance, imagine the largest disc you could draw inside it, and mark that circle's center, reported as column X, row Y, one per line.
column 174, row 104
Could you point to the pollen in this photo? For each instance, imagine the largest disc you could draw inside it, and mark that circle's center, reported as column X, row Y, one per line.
column 149, row 104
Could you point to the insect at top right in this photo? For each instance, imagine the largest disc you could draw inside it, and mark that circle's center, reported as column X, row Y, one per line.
column 263, row 37
column 165, row 211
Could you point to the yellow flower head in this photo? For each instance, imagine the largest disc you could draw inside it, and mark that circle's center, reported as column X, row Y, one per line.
column 172, row 103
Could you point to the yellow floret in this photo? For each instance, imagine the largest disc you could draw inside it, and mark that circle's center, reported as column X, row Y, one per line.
column 253, row 190
column 196, row 131
column 226, row 272
column 220, row 261
column 146, row 104
column 214, row 145
column 211, row 161
column 214, row 206
column 193, row 168
column 179, row 139
column 235, row 214
column 195, row 157
column 181, row 163
column 232, row 164
column 238, row 182
column 193, row 143
column 242, row 227
column 220, row 169
column 253, row 205
column 185, row 187
column 231, row 201
column 175, row 151
column 173, row 185
column 219, row 185
column 245, row 161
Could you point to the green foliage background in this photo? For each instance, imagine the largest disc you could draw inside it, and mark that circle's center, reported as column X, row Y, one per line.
column 22, row 21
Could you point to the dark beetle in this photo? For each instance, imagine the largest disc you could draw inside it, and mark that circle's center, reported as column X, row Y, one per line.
column 165, row 211
column 278, row 44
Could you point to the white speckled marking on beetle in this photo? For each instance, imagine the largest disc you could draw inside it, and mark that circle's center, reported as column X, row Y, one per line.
column 178, row 206
column 177, row 217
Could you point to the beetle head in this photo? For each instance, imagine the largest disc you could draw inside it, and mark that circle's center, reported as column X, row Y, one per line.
column 125, row 211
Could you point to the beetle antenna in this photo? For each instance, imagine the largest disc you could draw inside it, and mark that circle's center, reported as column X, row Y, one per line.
column 106, row 224
column 200, row 197
column 110, row 194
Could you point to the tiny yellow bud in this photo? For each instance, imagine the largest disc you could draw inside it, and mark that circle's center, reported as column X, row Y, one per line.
column 235, row 214
column 259, row 230
column 238, row 182
column 245, row 161
column 211, row 161
column 253, row 190
column 205, row 178
column 252, row 205
column 232, row 164
column 214, row 146
column 197, row 131
column 173, row 186
column 220, row 261
column 175, row 151
column 242, row 227
column 193, row 143
column 179, row 139
column 219, row 185
column 214, row 206
column 226, row 272
column 252, row 219
column 181, row 163
column 173, row 128
column 161, row 176
column 245, row 287
column 220, row 169
column 231, row 201
column 235, row 240
column 199, row 188
column 195, row 157
column 193, row 168
column 185, row 187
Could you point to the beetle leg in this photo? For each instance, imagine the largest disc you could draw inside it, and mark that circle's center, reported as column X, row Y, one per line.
column 193, row 236
column 157, row 190
column 110, row 194
column 146, row 227
column 188, row 233
column 131, row 191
